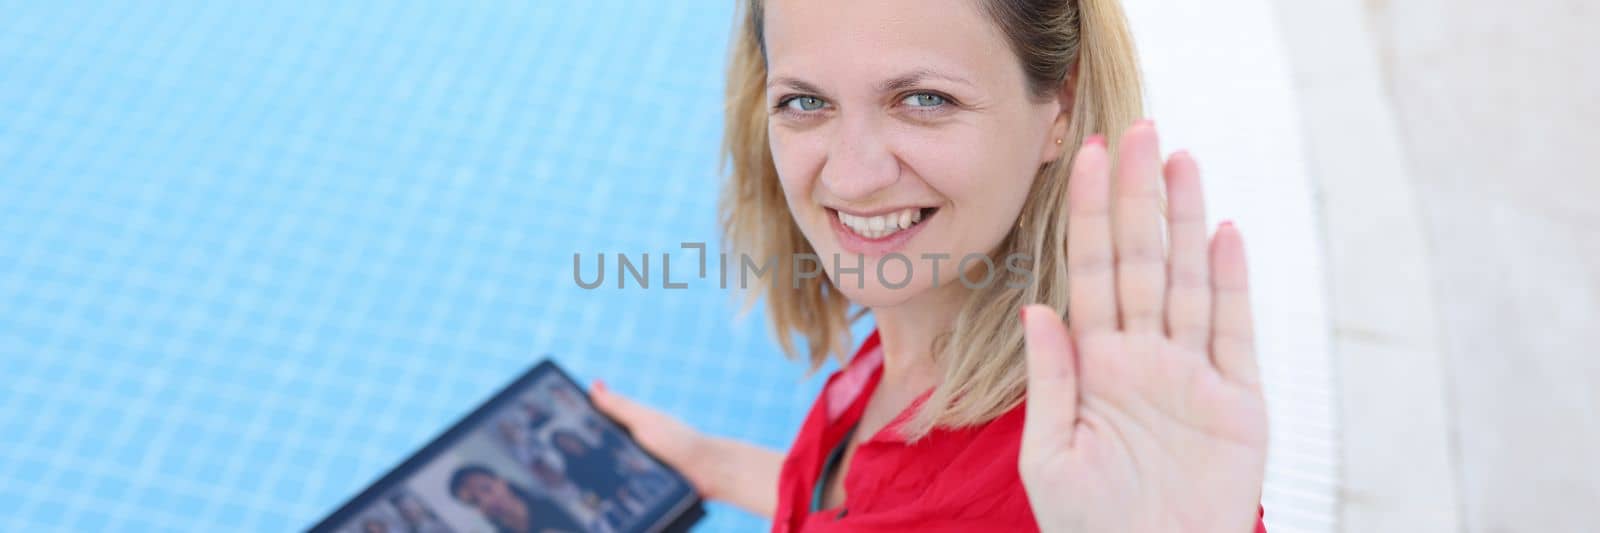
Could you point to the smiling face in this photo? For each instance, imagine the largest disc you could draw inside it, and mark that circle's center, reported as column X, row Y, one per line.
column 900, row 127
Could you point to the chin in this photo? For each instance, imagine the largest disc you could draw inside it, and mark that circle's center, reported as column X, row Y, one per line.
column 872, row 294
column 895, row 286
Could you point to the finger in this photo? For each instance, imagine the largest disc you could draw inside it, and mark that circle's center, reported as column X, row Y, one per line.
column 1052, row 406
column 1091, row 280
column 1188, row 274
column 629, row 413
column 1136, row 222
column 1233, row 332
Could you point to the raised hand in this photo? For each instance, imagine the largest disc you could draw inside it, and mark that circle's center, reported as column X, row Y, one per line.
column 1146, row 414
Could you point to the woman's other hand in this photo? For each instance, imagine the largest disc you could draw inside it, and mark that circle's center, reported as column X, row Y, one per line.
column 741, row 474
column 1146, row 414
column 662, row 435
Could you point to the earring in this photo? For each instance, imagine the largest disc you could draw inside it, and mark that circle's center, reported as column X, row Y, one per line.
column 1058, row 141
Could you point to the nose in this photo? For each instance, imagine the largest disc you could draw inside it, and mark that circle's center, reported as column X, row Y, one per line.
column 860, row 162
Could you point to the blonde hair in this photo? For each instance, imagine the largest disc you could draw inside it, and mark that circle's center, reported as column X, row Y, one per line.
column 981, row 358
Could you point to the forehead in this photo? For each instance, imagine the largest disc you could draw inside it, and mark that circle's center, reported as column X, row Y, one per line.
column 882, row 37
column 477, row 482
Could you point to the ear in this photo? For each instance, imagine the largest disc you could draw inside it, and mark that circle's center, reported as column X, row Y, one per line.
column 1066, row 96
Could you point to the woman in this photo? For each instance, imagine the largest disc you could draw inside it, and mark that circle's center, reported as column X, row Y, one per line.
column 883, row 136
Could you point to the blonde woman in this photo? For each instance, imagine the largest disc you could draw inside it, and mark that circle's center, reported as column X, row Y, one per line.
column 947, row 163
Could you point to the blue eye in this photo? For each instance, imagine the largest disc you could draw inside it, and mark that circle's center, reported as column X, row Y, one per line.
column 924, row 100
column 804, row 103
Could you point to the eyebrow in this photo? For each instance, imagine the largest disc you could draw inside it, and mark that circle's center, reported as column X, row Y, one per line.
column 794, row 83
column 901, row 82
column 911, row 79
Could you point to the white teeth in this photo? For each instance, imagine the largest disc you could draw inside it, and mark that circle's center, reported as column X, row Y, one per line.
column 876, row 227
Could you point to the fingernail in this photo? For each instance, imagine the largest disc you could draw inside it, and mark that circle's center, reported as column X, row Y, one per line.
column 1022, row 313
column 1227, row 223
column 1095, row 140
column 1146, row 122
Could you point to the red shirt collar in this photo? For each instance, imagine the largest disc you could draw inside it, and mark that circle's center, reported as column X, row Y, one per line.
column 951, row 480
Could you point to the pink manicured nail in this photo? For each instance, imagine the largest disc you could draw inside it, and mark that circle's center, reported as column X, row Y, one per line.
column 1095, row 140
column 1022, row 313
column 1227, row 223
column 1146, row 122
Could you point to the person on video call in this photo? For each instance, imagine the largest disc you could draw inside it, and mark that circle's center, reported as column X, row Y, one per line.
column 644, row 478
column 553, row 482
column 510, row 508
column 523, row 444
column 567, row 397
column 883, row 135
column 417, row 516
column 537, row 417
column 592, row 468
column 373, row 525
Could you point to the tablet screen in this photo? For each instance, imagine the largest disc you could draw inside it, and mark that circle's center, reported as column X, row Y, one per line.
column 538, row 457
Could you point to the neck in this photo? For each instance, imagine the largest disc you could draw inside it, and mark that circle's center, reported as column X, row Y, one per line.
column 518, row 521
column 907, row 332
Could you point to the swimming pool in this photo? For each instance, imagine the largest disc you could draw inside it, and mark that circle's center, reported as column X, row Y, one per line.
column 253, row 255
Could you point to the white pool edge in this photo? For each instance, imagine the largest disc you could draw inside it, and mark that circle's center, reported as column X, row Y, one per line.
column 1398, row 465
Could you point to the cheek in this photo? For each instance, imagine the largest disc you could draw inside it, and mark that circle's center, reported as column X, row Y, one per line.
column 981, row 176
column 985, row 183
column 797, row 157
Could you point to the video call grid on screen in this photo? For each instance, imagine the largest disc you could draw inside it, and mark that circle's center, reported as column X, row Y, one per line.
column 536, row 458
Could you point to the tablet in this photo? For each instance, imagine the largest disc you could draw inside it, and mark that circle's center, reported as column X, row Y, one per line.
column 535, row 458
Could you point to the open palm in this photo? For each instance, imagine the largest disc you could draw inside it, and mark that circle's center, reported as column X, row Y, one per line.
column 1144, row 408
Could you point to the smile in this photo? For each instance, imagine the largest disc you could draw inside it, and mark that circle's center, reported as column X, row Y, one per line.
column 883, row 225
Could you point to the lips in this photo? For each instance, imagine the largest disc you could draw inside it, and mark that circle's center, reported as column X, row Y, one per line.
column 884, row 224
column 881, row 233
column 879, row 226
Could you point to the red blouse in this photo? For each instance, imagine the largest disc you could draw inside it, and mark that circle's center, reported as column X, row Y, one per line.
column 959, row 480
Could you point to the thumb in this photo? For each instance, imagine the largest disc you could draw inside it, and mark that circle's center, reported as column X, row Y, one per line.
column 1052, row 407
column 658, row 432
column 626, row 411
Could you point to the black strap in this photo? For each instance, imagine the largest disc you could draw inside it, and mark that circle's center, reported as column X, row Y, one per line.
column 828, row 468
